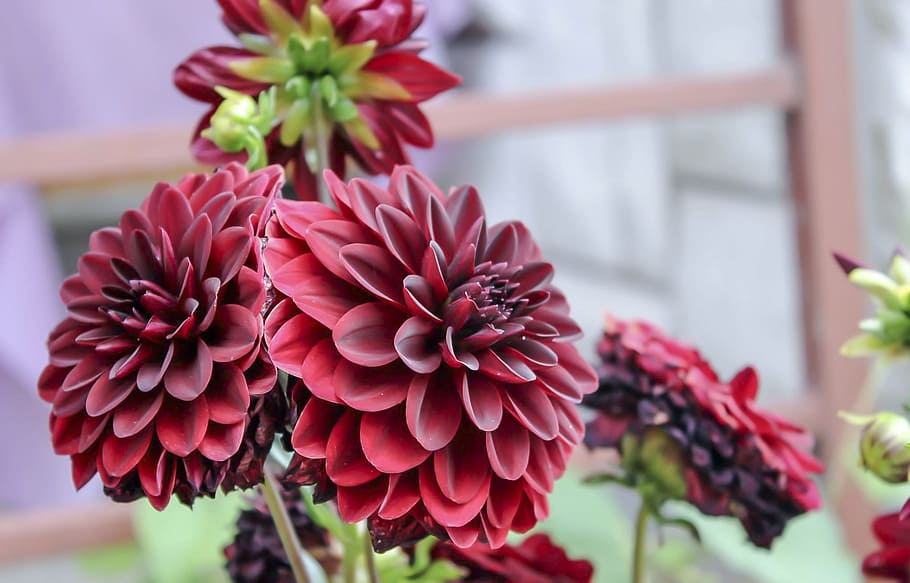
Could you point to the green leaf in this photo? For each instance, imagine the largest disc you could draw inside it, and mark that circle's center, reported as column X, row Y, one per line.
column 811, row 550
column 180, row 545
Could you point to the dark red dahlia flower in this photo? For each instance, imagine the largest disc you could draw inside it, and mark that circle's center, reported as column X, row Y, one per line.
column 158, row 377
column 256, row 554
column 442, row 383
column 348, row 67
column 892, row 561
column 733, row 458
column 536, row 560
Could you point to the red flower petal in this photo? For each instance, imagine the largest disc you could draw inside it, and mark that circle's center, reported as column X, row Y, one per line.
column 433, row 411
column 311, row 433
column 482, row 401
column 444, row 511
column 416, row 345
column 509, row 449
column 365, row 335
column 370, row 389
column 461, row 467
column 346, row 464
column 387, row 444
column 181, row 425
column 421, row 78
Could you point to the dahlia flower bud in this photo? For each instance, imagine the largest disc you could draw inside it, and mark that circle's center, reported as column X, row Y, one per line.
column 884, row 445
column 158, row 377
column 240, row 123
column 888, row 333
column 441, row 379
column 347, row 72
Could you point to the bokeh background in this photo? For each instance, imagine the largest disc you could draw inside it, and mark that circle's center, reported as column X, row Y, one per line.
column 686, row 220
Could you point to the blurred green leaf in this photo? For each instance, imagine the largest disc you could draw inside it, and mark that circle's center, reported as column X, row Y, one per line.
column 811, row 550
column 180, row 545
column 589, row 524
column 113, row 560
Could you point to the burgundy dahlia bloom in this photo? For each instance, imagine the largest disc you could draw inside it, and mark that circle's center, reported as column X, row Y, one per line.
column 348, row 66
column 892, row 561
column 733, row 458
column 256, row 554
column 536, row 560
column 442, row 383
column 158, row 377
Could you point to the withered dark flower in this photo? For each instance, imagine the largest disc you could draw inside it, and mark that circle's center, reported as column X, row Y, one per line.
column 442, row 383
column 347, row 69
column 256, row 554
column 158, row 376
column 728, row 457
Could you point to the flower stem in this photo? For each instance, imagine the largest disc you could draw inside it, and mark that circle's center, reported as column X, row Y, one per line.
column 372, row 573
column 864, row 402
column 638, row 554
column 285, row 527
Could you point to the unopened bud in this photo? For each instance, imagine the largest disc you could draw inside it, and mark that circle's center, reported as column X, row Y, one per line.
column 884, row 445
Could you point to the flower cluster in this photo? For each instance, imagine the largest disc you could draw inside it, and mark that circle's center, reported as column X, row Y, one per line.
column 158, row 376
column 892, row 561
column 340, row 72
column 659, row 399
column 441, row 383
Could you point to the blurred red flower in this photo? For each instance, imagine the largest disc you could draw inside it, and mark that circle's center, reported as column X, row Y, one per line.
column 158, row 377
column 350, row 66
column 536, row 560
column 736, row 459
column 892, row 561
column 442, row 383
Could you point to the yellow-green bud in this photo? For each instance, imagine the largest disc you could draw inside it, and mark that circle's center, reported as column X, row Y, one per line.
column 884, row 445
column 657, row 463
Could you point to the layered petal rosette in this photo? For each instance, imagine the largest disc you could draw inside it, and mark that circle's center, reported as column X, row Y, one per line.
column 679, row 427
column 348, row 70
column 892, row 561
column 536, row 560
column 441, row 381
column 158, row 376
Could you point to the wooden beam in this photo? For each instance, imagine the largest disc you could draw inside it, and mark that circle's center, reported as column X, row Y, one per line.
column 67, row 159
column 43, row 533
column 825, row 185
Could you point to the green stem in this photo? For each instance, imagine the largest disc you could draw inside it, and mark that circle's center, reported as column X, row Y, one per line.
column 638, row 554
column 844, row 450
column 285, row 527
column 372, row 573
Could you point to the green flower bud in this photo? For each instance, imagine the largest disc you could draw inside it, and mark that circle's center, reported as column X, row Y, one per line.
column 657, row 463
column 888, row 333
column 240, row 122
column 884, row 445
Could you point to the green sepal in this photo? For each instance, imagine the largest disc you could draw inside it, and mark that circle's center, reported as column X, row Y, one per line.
column 259, row 44
column 351, row 58
column 345, row 110
column 900, row 269
column 299, row 116
column 864, row 345
column 316, row 58
column 299, row 87
column 264, row 69
column 362, row 132
column 329, row 90
column 318, row 24
column 278, row 20
column 375, row 86
column 878, row 284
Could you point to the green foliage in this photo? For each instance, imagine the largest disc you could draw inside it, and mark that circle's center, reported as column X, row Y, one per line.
column 180, row 545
